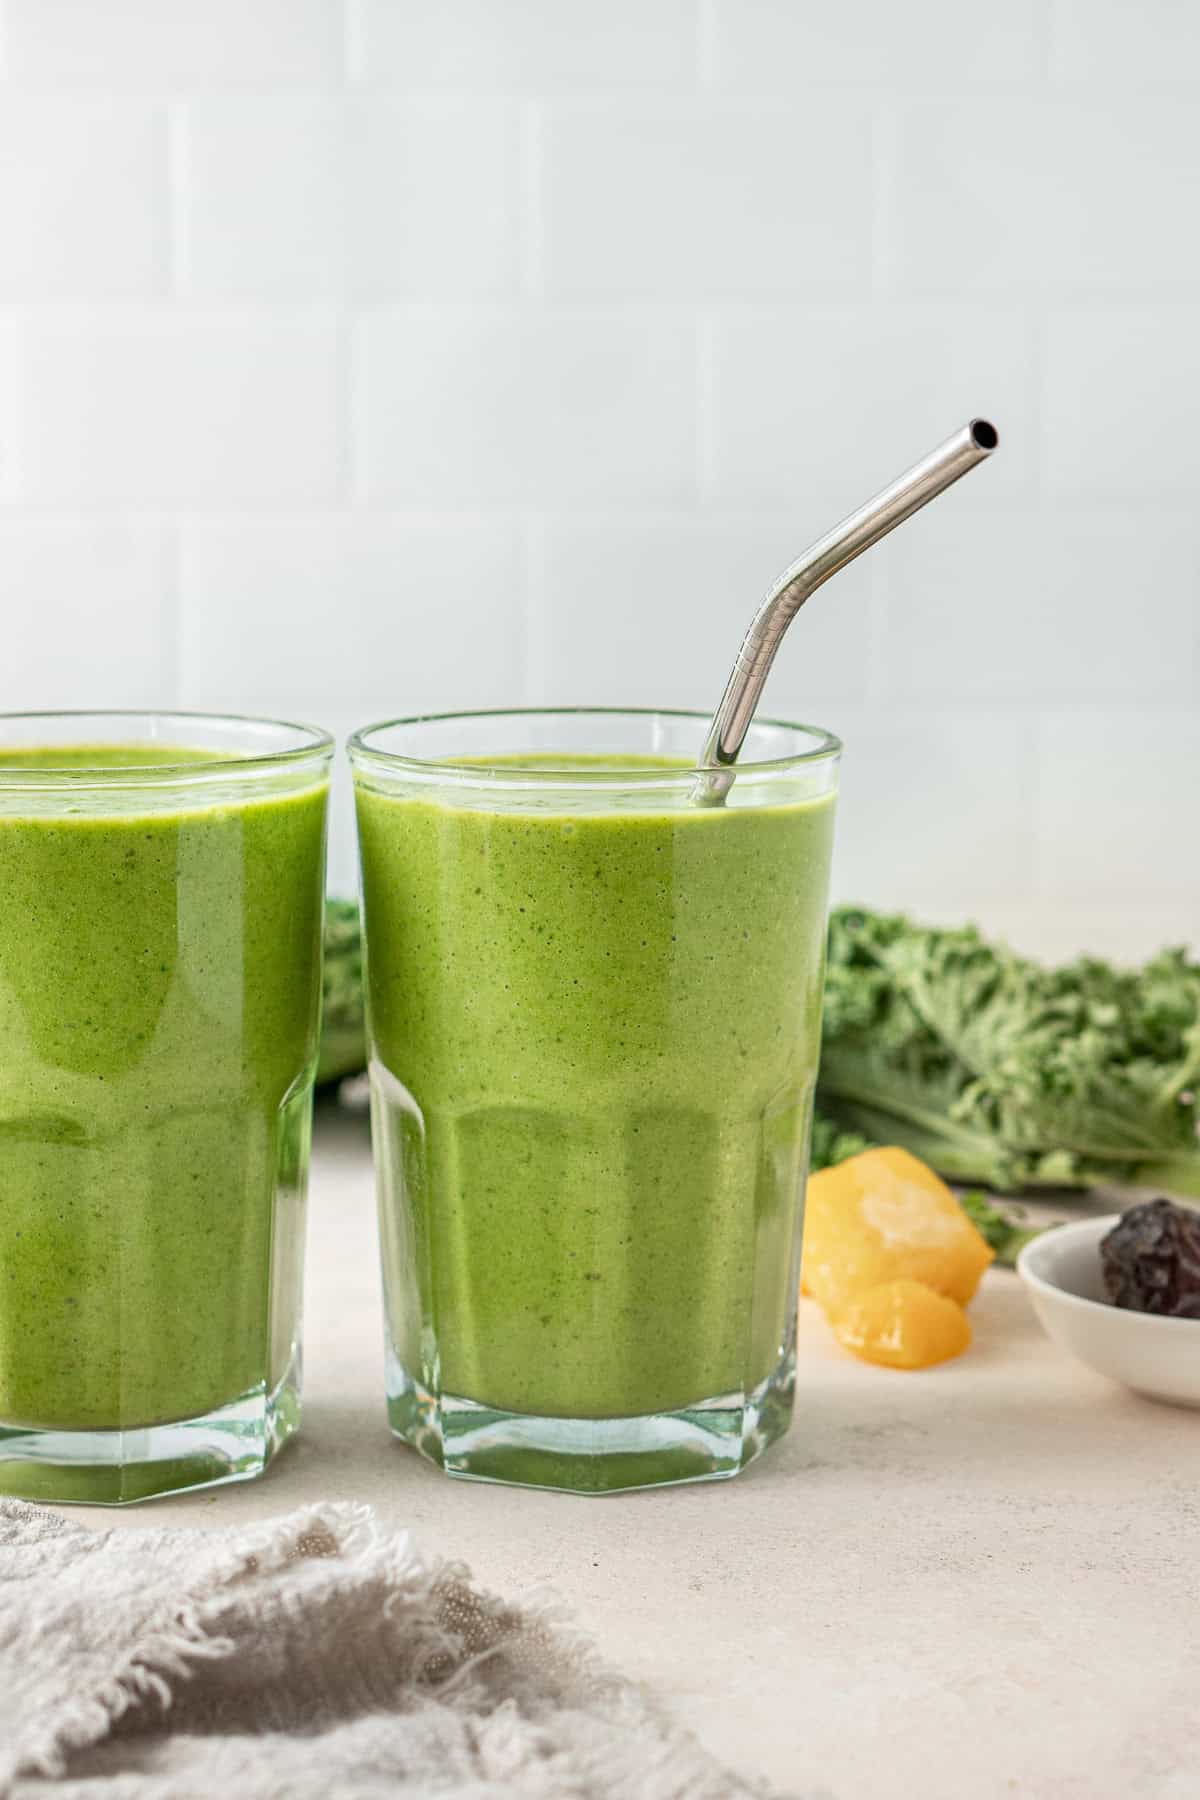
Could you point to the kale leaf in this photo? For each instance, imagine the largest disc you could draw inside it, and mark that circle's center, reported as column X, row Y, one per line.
column 997, row 1070
column 999, row 1228
column 343, row 1028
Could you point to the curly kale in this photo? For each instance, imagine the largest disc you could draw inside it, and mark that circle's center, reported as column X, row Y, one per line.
column 995, row 1069
column 343, row 1030
column 1000, row 1228
column 830, row 1144
column 990, row 1067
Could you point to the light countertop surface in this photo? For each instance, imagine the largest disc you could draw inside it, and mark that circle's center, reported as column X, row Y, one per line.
column 973, row 1582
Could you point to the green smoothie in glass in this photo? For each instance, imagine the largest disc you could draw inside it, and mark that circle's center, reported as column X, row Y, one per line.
column 160, row 917
column 595, row 1019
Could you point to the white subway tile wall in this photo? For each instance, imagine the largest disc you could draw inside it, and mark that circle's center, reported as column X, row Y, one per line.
column 649, row 201
column 83, row 199
column 124, row 46
column 84, row 619
column 524, row 407
column 170, row 407
column 359, row 356
column 525, row 47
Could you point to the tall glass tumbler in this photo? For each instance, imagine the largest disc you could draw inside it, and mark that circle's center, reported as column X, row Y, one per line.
column 594, row 1012
column 161, row 890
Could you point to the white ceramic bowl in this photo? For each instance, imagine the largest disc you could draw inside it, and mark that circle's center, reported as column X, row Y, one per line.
column 1152, row 1355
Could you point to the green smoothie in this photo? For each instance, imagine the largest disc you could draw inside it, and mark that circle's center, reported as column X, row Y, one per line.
column 159, row 993
column 595, row 1037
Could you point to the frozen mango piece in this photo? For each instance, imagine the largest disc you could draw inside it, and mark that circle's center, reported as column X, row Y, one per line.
column 882, row 1215
column 902, row 1324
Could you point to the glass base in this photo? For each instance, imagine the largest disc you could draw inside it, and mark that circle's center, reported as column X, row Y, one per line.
column 113, row 1468
column 708, row 1441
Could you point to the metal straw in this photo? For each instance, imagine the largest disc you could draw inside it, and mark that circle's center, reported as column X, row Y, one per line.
column 906, row 495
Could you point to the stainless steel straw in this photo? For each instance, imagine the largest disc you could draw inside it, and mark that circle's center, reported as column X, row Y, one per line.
column 906, row 495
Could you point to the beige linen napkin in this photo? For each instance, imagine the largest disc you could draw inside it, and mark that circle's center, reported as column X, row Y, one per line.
column 311, row 1657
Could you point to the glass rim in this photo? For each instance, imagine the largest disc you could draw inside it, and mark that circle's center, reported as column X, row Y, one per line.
column 826, row 748
column 318, row 744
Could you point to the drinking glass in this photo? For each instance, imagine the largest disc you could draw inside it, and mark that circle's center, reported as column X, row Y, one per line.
column 161, row 891
column 594, row 1016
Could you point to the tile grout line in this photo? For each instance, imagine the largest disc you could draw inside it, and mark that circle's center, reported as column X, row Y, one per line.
column 534, row 550
column 707, row 45
column 1036, row 321
column 881, row 159
column 530, row 128
column 1039, row 874
column 353, row 493
column 354, row 44
column 1045, row 32
column 171, row 600
column 178, row 181
column 705, row 330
